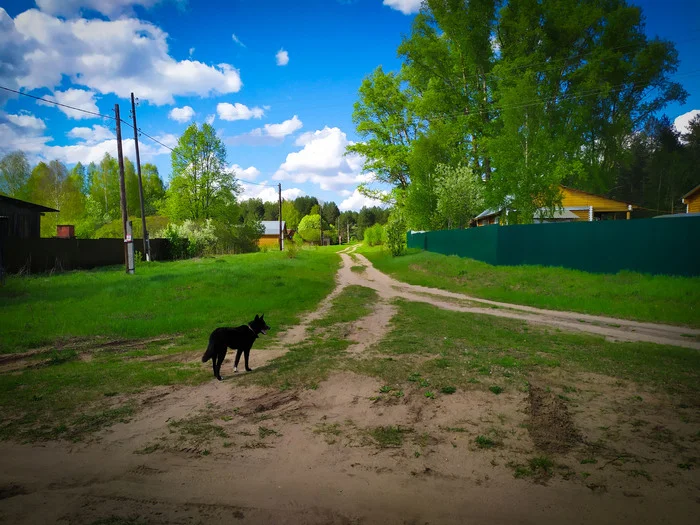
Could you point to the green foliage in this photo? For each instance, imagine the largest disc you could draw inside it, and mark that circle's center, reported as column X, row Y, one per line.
column 375, row 235
column 190, row 239
column 396, row 233
column 459, row 194
column 290, row 215
column 310, row 228
column 14, row 174
column 525, row 94
column 201, row 186
column 115, row 230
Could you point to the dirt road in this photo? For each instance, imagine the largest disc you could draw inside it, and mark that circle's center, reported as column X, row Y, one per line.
column 224, row 453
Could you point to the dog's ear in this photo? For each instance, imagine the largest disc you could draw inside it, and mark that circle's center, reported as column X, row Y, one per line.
column 256, row 317
column 263, row 315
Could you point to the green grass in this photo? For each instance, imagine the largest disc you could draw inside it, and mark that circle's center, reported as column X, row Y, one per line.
column 308, row 363
column 183, row 297
column 507, row 351
column 64, row 396
column 388, row 436
column 628, row 295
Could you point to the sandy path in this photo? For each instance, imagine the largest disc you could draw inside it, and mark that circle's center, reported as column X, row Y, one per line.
column 609, row 327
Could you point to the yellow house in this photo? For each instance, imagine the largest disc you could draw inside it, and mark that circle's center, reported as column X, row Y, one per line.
column 271, row 237
column 692, row 200
column 578, row 206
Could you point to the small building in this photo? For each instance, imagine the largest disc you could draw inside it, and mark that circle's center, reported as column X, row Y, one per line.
column 692, row 200
column 577, row 205
column 271, row 237
column 21, row 219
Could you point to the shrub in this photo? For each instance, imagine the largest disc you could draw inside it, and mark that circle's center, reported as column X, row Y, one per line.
column 375, row 235
column 396, row 233
column 190, row 239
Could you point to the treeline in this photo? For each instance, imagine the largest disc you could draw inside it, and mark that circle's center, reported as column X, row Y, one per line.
column 497, row 103
column 86, row 196
column 200, row 204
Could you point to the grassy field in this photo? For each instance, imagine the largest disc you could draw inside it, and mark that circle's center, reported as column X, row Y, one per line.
column 99, row 331
column 661, row 299
column 189, row 298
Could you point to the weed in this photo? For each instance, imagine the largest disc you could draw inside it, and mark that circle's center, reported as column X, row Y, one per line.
column 429, row 394
column 685, row 466
column 385, row 389
column 484, row 442
column 448, row 389
column 635, row 473
column 415, row 376
column 389, row 436
column 263, row 432
column 589, row 461
column 357, row 268
column 398, row 393
column 496, row 389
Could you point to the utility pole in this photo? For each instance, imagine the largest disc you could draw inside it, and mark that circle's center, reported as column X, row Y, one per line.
column 279, row 193
column 122, row 187
column 347, row 223
column 146, row 242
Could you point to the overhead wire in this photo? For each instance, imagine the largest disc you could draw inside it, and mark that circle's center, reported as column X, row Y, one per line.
column 140, row 131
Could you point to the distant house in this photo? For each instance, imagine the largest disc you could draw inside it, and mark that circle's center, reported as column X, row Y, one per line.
column 577, row 205
column 21, row 219
column 692, row 200
column 271, row 237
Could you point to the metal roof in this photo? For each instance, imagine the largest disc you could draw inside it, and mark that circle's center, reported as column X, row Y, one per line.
column 25, row 204
column 695, row 189
column 273, row 227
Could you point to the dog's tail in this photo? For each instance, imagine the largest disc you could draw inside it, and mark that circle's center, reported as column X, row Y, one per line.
column 209, row 353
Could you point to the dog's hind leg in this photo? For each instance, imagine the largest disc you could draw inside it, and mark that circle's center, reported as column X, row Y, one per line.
column 238, row 358
column 221, row 355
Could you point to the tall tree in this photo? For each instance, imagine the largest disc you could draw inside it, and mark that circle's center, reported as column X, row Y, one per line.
column 290, row 215
column 14, row 174
column 201, row 186
column 153, row 188
column 330, row 212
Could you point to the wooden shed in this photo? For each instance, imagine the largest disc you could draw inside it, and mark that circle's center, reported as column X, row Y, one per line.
column 577, row 205
column 271, row 237
column 21, row 219
column 692, row 200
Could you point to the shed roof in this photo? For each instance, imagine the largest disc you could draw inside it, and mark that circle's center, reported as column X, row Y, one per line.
column 273, row 227
column 25, row 204
column 691, row 192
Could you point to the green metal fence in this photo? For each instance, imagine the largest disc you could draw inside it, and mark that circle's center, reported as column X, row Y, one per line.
column 669, row 246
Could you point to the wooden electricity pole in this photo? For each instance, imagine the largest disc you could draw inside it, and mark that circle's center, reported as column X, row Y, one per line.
column 122, row 187
column 279, row 192
column 146, row 242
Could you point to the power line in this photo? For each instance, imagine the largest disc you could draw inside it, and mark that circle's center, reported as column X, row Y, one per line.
column 57, row 103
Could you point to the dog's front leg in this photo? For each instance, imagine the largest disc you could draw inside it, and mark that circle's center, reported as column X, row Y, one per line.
column 238, row 358
column 247, row 353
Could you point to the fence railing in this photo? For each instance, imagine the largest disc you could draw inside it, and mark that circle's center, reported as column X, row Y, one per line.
column 669, row 246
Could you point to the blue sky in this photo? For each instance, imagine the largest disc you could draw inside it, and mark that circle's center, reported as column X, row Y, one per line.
column 279, row 93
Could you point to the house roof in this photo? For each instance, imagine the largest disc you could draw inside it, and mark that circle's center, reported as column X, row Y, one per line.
column 487, row 213
column 273, row 227
column 691, row 192
column 25, row 204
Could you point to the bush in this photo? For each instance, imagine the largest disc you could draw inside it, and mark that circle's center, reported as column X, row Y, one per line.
column 189, row 239
column 375, row 235
column 396, row 233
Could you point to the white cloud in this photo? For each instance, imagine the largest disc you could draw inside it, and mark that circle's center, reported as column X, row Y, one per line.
column 268, row 134
column 91, row 135
column 682, row 122
column 268, row 193
column 110, row 8
column 183, row 114
column 236, row 40
column 282, row 57
column 407, row 7
column 26, row 120
column 249, row 173
column 237, row 111
column 210, row 119
column 283, row 129
column 357, row 201
column 322, row 161
column 13, row 48
column 108, row 56
column 78, row 98
column 191, row 52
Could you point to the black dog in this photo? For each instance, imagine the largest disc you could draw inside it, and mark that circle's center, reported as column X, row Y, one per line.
column 240, row 338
